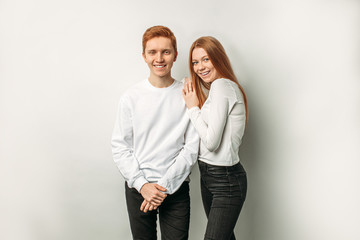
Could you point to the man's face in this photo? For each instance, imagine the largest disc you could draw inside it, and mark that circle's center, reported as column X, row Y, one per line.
column 160, row 55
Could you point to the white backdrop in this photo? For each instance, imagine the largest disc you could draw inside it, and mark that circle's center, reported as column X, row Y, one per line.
column 64, row 65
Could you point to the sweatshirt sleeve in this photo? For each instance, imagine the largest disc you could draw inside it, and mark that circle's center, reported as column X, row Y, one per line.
column 211, row 133
column 122, row 147
column 183, row 163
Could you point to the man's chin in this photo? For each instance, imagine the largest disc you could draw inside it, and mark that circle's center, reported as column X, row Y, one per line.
column 162, row 75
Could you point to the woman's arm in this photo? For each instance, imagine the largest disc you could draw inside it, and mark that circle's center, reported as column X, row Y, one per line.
column 211, row 133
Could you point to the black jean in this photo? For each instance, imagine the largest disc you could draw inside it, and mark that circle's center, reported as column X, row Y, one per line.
column 174, row 215
column 223, row 192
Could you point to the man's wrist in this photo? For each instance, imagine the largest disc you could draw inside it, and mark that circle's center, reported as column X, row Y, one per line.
column 139, row 183
column 163, row 184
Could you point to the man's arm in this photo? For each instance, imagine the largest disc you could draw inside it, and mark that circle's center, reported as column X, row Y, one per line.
column 184, row 162
column 123, row 154
column 122, row 147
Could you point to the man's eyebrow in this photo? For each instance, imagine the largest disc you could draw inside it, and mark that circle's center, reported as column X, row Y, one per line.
column 162, row 50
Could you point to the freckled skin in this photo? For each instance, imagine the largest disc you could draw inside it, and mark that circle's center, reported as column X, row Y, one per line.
column 202, row 64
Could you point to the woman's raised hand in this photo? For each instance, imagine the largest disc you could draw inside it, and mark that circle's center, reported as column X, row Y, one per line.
column 189, row 94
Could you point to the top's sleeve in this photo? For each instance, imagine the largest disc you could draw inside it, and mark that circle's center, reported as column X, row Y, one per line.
column 181, row 168
column 122, row 147
column 211, row 133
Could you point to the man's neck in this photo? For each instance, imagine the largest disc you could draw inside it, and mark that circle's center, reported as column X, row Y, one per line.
column 161, row 82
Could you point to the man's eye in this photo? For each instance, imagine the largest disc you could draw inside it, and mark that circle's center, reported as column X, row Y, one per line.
column 167, row 52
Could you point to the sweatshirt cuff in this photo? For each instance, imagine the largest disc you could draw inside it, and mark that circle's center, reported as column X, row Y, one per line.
column 165, row 185
column 192, row 111
column 138, row 183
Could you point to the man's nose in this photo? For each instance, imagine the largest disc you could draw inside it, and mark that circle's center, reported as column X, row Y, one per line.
column 159, row 57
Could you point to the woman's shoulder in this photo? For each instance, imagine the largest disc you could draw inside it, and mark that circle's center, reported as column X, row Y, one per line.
column 224, row 84
column 221, row 81
column 227, row 88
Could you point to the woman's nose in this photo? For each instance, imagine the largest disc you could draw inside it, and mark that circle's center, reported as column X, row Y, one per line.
column 200, row 66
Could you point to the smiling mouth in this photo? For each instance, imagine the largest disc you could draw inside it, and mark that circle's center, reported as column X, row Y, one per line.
column 159, row 66
column 203, row 74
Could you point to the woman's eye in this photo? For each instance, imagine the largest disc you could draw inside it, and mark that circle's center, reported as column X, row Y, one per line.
column 206, row 59
column 194, row 63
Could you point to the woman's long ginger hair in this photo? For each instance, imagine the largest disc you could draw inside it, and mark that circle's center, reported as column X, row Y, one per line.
column 221, row 63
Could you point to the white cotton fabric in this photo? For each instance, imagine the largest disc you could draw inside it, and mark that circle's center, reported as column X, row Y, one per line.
column 220, row 123
column 153, row 139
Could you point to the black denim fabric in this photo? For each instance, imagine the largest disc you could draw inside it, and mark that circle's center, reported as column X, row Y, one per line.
column 223, row 192
column 174, row 215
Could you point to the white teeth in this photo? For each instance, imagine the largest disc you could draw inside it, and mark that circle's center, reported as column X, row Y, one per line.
column 159, row 66
column 205, row 73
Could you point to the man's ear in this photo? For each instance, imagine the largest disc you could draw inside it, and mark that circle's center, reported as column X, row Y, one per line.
column 175, row 56
column 143, row 54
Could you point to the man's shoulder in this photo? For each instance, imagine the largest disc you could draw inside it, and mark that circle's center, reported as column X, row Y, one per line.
column 178, row 84
column 140, row 88
column 134, row 90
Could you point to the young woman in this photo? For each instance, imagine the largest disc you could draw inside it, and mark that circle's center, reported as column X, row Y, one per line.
column 219, row 118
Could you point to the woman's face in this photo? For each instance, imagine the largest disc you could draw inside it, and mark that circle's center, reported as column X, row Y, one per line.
column 202, row 65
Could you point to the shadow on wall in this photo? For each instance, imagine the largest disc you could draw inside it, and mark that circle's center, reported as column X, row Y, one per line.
column 245, row 227
column 249, row 157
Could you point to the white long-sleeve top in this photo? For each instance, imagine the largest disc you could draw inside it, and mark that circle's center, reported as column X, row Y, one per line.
column 153, row 139
column 220, row 123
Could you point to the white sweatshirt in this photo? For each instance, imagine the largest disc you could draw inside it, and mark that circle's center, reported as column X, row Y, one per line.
column 220, row 123
column 153, row 139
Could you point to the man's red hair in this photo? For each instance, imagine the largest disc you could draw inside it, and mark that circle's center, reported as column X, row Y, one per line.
column 158, row 31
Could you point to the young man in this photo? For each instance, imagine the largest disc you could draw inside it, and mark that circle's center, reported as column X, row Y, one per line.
column 155, row 146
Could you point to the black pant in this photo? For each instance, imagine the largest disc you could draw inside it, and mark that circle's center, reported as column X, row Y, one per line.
column 174, row 215
column 223, row 192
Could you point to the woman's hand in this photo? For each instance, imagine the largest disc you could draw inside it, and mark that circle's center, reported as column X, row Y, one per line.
column 189, row 94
